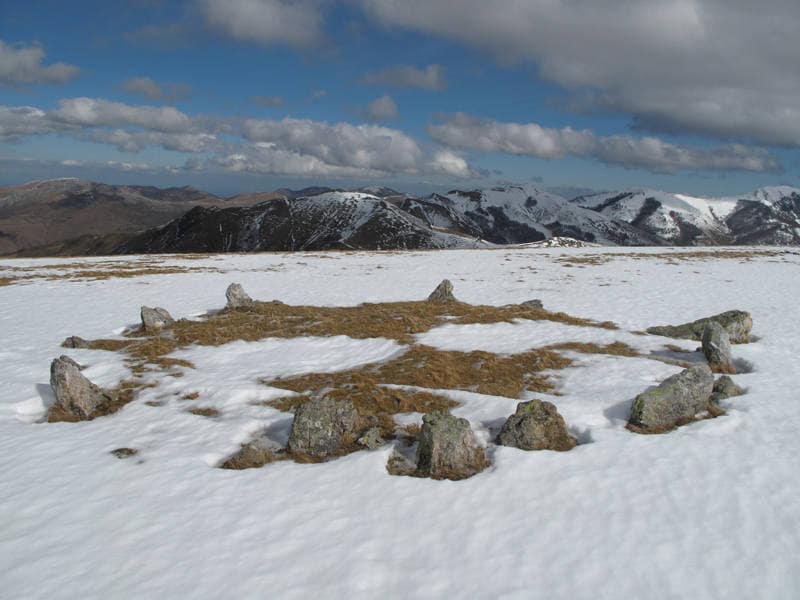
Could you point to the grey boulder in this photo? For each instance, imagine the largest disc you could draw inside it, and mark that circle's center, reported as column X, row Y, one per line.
column 154, row 319
column 724, row 387
column 737, row 323
column 443, row 292
column 447, row 448
column 372, row 439
column 237, row 297
column 324, row 428
column 674, row 402
column 74, row 341
column 717, row 348
column 76, row 396
column 535, row 303
column 536, row 425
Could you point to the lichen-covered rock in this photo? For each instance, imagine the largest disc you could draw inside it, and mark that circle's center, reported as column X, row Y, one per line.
column 443, row 292
column 536, row 425
column 372, row 439
column 717, row 348
column 724, row 387
column 324, row 428
column 535, row 303
column 447, row 448
column 737, row 323
column 674, row 402
column 237, row 297
column 74, row 341
column 154, row 319
column 76, row 396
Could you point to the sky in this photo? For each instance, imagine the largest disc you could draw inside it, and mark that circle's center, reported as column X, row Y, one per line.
column 691, row 96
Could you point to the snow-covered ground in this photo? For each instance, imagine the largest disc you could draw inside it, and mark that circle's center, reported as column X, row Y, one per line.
column 711, row 510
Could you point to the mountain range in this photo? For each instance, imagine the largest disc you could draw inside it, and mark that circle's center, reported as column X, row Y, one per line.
column 74, row 217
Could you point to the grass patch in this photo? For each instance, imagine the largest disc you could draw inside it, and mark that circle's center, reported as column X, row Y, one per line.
column 614, row 349
column 205, row 411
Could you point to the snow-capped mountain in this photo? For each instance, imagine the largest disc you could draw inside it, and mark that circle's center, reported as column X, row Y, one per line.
column 767, row 216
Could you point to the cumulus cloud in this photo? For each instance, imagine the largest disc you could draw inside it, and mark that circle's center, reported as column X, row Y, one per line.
column 23, row 65
column 290, row 22
column 530, row 139
column 382, row 109
column 20, row 121
column 427, row 78
column 724, row 68
column 163, row 92
column 94, row 112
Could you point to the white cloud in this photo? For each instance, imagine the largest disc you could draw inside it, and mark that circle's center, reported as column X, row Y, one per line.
column 147, row 87
column 530, row 139
column 291, row 22
column 23, row 65
column 724, row 68
column 19, row 121
column 428, row 78
column 94, row 112
column 382, row 109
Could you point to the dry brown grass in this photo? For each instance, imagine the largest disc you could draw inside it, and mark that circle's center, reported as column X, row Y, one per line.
column 615, row 348
column 674, row 258
column 97, row 271
column 205, row 411
column 6, row 281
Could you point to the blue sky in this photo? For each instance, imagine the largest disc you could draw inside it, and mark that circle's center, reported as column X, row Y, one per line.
column 244, row 95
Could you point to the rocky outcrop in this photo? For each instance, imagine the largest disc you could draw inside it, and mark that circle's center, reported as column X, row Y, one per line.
column 77, row 398
column 447, row 448
column 536, row 425
column 155, row 319
column 674, row 402
column 324, row 428
column 443, row 292
column 737, row 323
column 237, row 298
column 717, row 348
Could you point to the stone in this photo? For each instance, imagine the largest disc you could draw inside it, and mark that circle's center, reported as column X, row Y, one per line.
column 447, row 448
column 372, row 439
column 237, row 297
column 536, row 425
column 737, row 323
column 324, row 428
column 124, row 452
column 717, row 348
column 535, row 303
column 674, row 402
column 74, row 341
column 76, row 396
column 254, row 454
column 443, row 292
column 154, row 319
column 724, row 387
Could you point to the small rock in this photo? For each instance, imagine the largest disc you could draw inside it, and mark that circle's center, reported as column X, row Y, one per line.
column 125, row 452
column 536, row 425
column 372, row 439
column 443, row 292
column 535, row 303
column 74, row 341
column 737, row 323
column 447, row 448
column 724, row 387
column 323, row 428
column 75, row 394
column 237, row 297
column 717, row 348
column 674, row 402
column 254, row 454
column 156, row 318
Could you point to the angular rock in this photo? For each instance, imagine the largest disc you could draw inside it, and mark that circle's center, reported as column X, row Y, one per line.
column 324, row 428
column 536, row 425
column 717, row 348
column 76, row 396
column 737, row 323
column 443, row 292
column 74, row 341
column 724, row 387
column 447, row 448
column 372, row 439
column 156, row 318
column 535, row 303
column 237, row 297
column 674, row 402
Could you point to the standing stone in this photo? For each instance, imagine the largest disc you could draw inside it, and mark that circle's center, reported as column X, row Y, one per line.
column 75, row 394
column 237, row 297
column 675, row 401
column 717, row 348
column 443, row 292
column 156, row 318
column 737, row 323
column 447, row 448
column 74, row 341
column 323, row 428
column 536, row 425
